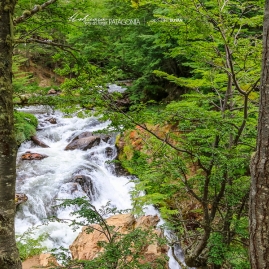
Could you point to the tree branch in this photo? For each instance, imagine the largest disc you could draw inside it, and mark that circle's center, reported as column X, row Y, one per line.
column 49, row 43
column 45, row 42
column 28, row 14
column 182, row 265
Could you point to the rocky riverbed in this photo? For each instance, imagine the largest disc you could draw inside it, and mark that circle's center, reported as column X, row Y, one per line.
column 76, row 162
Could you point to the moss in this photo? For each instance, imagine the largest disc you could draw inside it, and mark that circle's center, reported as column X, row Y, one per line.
column 9, row 40
column 7, row 8
column 25, row 126
column 125, row 151
column 26, row 13
column 117, row 140
column 124, row 146
column 128, row 152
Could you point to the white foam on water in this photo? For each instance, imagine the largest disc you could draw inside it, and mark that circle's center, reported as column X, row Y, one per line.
column 47, row 180
column 44, row 181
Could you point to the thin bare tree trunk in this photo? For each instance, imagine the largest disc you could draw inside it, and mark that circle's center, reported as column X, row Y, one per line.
column 259, row 194
column 9, row 257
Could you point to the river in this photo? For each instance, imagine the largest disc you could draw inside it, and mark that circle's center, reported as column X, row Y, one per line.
column 45, row 181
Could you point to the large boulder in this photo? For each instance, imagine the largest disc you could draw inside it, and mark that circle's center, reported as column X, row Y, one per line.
column 82, row 135
column 85, row 246
column 76, row 136
column 33, row 156
column 44, row 260
column 87, row 185
column 83, row 143
column 86, row 140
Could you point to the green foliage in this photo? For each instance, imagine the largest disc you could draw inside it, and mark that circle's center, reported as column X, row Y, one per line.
column 123, row 48
column 197, row 170
column 25, row 126
column 29, row 245
column 199, row 156
column 217, row 249
column 205, row 32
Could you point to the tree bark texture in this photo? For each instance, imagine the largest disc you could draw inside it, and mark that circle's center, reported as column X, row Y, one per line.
column 9, row 257
column 259, row 194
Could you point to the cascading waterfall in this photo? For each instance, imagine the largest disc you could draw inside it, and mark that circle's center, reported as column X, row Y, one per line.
column 57, row 177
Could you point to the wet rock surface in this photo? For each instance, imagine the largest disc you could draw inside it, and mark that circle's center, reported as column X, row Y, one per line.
column 52, row 120
column 32, row 156
column 84, row 143
column 119, row 170
column 20, row 198
column 38, row 142
column 87, row 185
column 109, row 152
column 86, row 140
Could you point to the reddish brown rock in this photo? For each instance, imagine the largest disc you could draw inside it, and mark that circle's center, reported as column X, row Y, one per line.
column 20, row 198
column 33, row 156
column 85, row 246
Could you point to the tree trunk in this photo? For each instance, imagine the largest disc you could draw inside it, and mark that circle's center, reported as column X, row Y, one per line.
column 259, row 194
column 9, row 257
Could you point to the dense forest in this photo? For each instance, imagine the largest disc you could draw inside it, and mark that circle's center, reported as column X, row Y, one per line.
column 187, row 122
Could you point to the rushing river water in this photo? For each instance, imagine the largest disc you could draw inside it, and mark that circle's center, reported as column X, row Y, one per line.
column 44, row 181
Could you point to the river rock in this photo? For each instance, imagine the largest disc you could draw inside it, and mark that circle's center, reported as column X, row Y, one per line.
column 33, row 156
column 87, row 185
column 109, row 152
column 82, row 135
column 38, row 142
column 52, row 91
column 119, row 170
column 85, row 246
column 20, row 198
column 83, row 143
column 75, row 136
column 52, row 120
